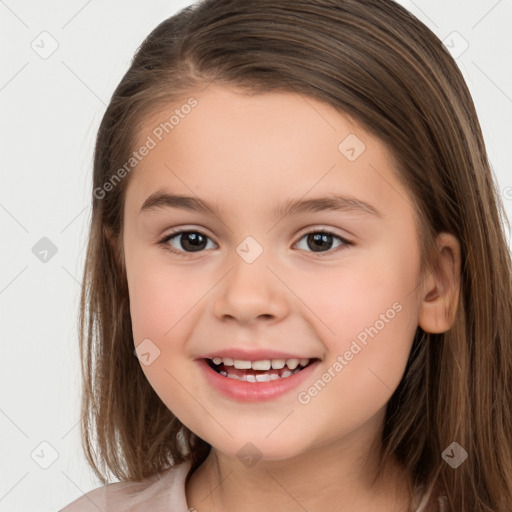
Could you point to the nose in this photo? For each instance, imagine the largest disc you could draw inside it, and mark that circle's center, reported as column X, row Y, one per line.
column 250, row 292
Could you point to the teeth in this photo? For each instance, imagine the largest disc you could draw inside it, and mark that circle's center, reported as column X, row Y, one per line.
column 242, row 365
column 237, row 377
column 292, row 363
column 263, row 377
column 263, row 365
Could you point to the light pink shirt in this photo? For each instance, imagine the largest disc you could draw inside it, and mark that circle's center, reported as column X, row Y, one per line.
column 164, row 492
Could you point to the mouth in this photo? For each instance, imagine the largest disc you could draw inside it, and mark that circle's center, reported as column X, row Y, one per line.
column 258, row 371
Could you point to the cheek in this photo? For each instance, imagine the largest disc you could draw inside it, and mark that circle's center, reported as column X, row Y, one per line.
column 370, row 309
column 160, row 297
column 372, row 313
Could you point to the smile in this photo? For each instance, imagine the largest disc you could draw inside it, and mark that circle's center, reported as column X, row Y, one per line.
column 260, row 380
column 257, row 371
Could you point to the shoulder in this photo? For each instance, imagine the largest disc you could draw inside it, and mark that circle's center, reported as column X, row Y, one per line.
column 162, row 492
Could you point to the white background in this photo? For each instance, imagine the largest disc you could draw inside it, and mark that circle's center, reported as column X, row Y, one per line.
column 50, row 110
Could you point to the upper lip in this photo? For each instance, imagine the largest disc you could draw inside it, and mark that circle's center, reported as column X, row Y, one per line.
column 252, row 355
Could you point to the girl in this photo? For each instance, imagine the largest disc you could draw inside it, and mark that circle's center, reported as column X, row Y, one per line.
column 297, row 292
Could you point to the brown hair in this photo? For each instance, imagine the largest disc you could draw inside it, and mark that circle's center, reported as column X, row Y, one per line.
column 374, row 61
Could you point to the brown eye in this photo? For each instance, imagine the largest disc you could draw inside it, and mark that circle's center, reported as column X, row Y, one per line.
column 322, row 241
column 186, row 241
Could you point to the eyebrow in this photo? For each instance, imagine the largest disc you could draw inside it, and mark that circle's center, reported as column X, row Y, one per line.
column 162, row 199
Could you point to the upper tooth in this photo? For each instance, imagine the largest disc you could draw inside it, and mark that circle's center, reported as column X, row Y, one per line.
column 292, row 363
column 264, row 364
column 261, row 365
column 242, row 365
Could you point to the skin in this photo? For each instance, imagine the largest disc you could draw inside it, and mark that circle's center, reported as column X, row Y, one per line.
column 249, row 154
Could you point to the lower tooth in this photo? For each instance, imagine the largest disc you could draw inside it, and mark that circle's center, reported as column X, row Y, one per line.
column 263, row 377
column 242, row 377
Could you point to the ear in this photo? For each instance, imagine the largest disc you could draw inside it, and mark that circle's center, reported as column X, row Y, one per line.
column 441, row 289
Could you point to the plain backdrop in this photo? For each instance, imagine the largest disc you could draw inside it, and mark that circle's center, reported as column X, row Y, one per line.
column 50, row 109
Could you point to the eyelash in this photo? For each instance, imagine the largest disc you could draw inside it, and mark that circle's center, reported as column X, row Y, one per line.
column 185, row 254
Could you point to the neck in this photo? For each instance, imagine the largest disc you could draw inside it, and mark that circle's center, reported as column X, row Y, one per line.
column 331, row 477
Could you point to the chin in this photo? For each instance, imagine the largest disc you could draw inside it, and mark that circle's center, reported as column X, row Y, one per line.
column 251, row 450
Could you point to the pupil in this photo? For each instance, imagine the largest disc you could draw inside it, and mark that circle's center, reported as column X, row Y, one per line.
column 323, row 239
column 195, row 241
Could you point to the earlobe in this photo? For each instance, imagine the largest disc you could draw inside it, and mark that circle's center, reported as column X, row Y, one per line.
column 441, row 289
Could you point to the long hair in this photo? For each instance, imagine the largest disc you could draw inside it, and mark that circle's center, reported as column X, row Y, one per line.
column 376, row 62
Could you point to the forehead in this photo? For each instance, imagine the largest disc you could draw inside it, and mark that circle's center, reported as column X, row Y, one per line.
column 254, row 151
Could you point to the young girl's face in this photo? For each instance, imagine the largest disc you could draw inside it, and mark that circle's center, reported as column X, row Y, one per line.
column 253, row 282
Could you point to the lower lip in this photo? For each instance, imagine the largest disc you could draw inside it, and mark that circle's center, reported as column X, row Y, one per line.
column 255, row 391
